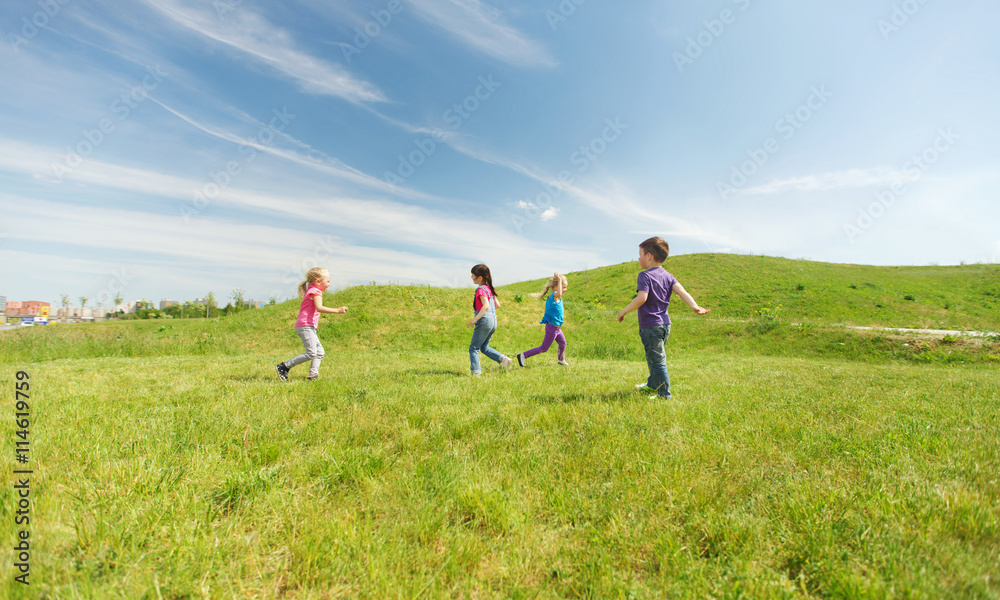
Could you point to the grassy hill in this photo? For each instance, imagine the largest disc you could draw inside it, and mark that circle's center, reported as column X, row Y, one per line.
column 797, row 322
column 797, row 459
column 736, row 286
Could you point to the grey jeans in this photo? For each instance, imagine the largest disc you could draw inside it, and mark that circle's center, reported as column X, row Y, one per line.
column 314, row 350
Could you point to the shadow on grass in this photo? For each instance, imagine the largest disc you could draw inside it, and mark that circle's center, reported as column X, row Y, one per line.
column 254, row 378
column 617, row 396
column 452, row 372
column 272, row 378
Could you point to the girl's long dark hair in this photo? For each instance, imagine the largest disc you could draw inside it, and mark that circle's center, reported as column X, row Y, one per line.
column 483, row 271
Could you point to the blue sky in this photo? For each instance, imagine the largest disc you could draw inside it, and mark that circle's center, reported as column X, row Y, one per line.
column 168, row 148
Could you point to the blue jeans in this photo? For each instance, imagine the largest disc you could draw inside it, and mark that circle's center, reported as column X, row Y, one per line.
column 653, row 339
column 485, row 328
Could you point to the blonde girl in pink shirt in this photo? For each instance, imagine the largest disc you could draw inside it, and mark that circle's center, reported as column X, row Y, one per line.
column 311, row 290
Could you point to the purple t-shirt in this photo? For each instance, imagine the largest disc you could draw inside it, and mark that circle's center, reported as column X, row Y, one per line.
column 658, row 284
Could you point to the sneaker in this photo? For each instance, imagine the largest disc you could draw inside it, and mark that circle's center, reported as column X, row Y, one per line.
column 645, row 389
column 563, row 363
column 282, row 371
column 506, row 363
column 520, row 359
column 312, row 378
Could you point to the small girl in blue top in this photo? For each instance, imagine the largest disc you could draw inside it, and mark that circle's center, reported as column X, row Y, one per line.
column 552, row 320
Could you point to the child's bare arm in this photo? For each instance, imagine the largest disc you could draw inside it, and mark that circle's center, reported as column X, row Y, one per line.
column 558, row 291
column 318, row 303
column 479, row 315
column 639, row 300
column 680, row 291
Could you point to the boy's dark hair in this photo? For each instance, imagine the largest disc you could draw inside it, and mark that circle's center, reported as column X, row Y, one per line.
column 656, row 246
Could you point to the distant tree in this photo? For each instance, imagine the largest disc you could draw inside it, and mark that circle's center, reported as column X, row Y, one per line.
column 118, row 301
column 273, row 300
column 193, row 309
column 238, row 302
column 83, row 304
column 210, row 306
column 65, row 305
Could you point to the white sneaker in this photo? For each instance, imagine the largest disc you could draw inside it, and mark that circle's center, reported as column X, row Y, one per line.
column 563, row 363
column 506, row 363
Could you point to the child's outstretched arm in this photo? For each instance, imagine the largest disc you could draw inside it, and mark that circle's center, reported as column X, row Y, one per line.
column 558, row 291
column 479, row 315
column 680, row 291
column 639, row 300
column 318, row 302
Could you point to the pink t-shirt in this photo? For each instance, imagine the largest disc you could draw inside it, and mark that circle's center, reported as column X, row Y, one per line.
column 308, row 315
column 482, row 297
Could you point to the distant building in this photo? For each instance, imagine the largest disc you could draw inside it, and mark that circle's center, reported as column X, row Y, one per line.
column 101, row 313
column 138, row 305
column 33, row 308
column 3, row 304
column 13, row 309
column 166, row 303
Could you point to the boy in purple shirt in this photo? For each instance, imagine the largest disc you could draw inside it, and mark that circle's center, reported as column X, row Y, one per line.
column 652, row 299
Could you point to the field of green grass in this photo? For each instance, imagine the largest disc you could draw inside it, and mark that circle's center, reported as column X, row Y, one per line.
column 798, row 458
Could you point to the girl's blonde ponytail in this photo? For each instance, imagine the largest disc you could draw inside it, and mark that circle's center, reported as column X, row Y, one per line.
column 313, row 274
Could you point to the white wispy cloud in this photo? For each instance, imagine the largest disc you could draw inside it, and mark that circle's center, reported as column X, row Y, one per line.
column 480, row 26
column 313, row 159
column 615, row 199
column 850, row 178
column 373, row 221
column 265, row 43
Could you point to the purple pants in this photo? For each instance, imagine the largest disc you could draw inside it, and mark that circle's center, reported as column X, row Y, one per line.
column 552, row 332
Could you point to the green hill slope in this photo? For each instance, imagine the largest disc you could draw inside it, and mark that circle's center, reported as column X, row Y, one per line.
column 734, row 286
column 810, row 295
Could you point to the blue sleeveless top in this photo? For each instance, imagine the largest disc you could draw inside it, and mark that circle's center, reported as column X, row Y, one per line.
column 553, row 311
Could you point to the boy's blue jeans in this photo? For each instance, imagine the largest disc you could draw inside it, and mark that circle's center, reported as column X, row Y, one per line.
column 485, row 328
column 653, row 339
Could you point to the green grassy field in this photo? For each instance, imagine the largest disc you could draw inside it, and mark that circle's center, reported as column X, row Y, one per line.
column 801, row 460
